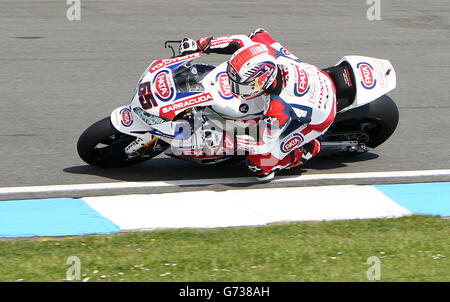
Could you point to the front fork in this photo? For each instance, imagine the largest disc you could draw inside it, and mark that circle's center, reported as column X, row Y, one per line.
column 125, row 121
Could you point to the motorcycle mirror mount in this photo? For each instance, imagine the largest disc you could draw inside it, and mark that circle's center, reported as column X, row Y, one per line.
column 167, row 45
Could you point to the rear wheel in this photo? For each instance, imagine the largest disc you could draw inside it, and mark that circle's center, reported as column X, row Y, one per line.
column 102, row 145
column 370, row 125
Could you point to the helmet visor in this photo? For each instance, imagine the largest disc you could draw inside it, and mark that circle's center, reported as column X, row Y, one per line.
column 246, row 90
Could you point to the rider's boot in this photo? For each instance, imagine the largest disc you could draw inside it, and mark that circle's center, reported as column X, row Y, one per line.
column 264, row 166
column 309, row 151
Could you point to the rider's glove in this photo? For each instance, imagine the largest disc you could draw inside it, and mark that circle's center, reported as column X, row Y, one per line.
column 188, row 45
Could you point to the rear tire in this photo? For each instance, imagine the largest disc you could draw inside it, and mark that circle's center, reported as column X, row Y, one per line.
column 103, row 146
column 376, row 121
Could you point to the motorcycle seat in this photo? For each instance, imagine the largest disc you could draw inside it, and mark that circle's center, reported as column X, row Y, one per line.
column 344, row 82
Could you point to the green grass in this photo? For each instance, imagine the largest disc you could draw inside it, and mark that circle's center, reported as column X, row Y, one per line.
column 414, row 248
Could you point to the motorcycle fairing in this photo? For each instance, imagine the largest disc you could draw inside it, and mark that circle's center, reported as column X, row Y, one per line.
column 137, row 127
column 225, row 104
column 374, row 77
column 156, row 87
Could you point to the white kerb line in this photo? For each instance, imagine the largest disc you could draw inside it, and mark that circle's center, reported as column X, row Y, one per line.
column 239, row 180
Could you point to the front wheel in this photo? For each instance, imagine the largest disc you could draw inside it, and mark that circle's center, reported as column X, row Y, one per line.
column 103, row 146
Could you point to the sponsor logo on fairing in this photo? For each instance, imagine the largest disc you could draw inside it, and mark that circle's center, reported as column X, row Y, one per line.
column 367, row 75
column 243, row 108
column 302, row 85
column 224, row 86
column 169, row 62
column 381, row 76
column 291, row 143
column 127, row 118
column 163, row 86
column 181, row 105
column 347, row 79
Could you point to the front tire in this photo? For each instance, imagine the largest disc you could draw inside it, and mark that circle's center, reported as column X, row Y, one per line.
column 103, row 145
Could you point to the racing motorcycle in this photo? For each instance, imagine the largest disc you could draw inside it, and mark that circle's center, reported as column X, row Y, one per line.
column 187, row 110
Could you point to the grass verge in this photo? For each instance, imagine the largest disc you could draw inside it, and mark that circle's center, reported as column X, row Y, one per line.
column 414, row 248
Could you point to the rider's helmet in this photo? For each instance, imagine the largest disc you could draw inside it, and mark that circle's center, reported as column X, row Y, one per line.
column 251, row 70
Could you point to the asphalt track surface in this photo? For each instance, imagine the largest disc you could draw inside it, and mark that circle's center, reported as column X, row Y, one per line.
column 57, row 77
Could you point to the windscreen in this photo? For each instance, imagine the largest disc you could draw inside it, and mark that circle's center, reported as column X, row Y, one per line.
column 187, row 78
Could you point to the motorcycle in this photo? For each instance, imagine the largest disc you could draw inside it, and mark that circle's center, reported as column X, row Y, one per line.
column 187, row 110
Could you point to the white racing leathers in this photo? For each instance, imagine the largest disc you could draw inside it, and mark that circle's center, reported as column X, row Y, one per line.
column 302, row 107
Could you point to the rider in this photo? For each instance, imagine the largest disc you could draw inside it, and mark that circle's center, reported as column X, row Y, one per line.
column 299, row 98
